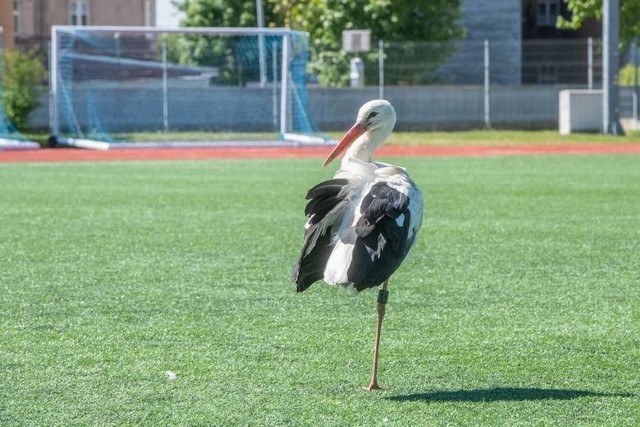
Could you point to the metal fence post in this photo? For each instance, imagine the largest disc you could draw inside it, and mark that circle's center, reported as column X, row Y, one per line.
column 54, row 120
column 165, row 88
column 590, row 62
column 380, row 69
column 261, row 47
column 274, row 85
column 487, row 94
column 610, row 32
column 284, row 84
column 634, row 47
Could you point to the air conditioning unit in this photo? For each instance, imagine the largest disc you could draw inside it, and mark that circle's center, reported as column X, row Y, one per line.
column 355, row 41
column 580, row 110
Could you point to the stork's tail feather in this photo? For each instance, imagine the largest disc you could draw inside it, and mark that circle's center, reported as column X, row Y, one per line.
column 324, row 199
column 302, row 281
column 310, row 267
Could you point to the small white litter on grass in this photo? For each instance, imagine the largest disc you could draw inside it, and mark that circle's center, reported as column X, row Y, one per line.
column 171, row 375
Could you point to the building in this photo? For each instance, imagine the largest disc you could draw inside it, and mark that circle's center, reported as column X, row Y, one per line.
column 498, row 22
column 6, row 22
column 27, row 23
column 525, row 45
column 554, row 56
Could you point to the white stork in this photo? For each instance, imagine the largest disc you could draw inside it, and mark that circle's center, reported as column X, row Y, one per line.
column 362, row 223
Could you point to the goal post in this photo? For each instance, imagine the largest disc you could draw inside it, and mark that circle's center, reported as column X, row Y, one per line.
column 10, row 137
column 179, row 87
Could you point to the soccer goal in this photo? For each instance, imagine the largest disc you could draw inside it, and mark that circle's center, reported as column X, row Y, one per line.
column 10, row 138
column 144, row 86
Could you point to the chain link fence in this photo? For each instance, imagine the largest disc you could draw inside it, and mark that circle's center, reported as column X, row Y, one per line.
column 530, row 62
column 487, row 83
column 472, row 84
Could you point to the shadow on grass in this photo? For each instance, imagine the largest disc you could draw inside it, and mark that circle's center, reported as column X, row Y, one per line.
column 502, row 394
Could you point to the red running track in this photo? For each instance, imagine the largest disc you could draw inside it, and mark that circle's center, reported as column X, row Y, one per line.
column 82, row 155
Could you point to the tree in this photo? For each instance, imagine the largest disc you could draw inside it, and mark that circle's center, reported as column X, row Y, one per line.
column 627, row 75
column 391, row 20
column 22, row 72
column 583, row 9
column 225, row 13
column 232, row 56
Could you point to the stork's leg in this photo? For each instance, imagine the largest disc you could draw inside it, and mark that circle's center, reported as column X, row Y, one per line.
column 383, row 295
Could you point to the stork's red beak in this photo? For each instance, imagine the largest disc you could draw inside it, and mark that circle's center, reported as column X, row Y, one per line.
column 353, row 134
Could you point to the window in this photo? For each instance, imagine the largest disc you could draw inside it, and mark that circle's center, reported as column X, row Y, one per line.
column 547, row 14
column 16, row 17
column 79, row 12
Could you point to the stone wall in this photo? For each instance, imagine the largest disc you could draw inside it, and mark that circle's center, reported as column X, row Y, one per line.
column 251, row 109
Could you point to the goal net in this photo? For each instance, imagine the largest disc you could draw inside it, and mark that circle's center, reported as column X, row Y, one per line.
column 143, row 86
column 10, row 138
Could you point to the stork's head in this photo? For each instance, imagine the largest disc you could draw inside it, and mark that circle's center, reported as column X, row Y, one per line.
column 376, row 119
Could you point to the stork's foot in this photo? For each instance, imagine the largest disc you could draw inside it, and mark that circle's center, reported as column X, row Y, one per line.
column 373, row 386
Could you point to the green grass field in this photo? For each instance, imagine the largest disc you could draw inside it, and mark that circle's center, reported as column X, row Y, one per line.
column 520, row 304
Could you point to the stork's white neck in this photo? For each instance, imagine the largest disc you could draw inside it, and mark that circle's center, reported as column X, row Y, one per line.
column 363, row 148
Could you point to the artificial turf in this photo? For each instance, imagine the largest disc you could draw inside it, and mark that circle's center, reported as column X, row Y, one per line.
column 158, row 293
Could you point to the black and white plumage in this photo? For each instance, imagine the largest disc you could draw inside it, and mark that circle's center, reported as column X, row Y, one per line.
column 362, row 223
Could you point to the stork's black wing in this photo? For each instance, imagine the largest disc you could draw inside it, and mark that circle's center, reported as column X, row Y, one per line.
column 384, row 237
column 324, row 199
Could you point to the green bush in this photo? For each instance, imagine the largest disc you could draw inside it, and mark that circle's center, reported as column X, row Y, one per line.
column 626, row 75
column 22, row 72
